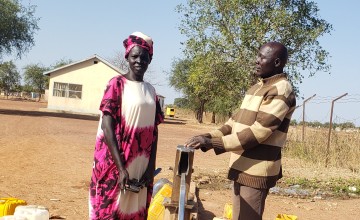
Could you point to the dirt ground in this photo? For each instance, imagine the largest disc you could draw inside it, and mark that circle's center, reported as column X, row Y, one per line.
column 46, row 159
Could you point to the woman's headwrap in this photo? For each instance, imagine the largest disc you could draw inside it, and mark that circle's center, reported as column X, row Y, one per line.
column 138, row 39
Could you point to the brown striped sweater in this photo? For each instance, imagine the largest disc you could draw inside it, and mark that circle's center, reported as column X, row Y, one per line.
column 257, row 132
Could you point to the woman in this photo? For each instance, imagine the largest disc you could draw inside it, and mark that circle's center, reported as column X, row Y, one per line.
column 125, row 150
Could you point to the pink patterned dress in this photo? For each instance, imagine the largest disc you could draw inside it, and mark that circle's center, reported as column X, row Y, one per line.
column 136, row 111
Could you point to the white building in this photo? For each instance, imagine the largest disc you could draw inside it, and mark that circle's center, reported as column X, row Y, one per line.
column 78, row 87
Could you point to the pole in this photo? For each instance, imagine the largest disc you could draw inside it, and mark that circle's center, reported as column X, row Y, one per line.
column 303, row 119
column 181, row 214
column 330, row 128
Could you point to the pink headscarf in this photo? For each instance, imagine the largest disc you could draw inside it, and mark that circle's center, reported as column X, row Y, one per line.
column 138, row 39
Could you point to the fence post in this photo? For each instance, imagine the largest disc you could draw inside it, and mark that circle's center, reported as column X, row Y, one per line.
column 330, row 128
column 303, row 120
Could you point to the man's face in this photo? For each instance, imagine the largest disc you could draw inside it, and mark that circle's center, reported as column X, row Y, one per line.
column 139, row 60
column 265, row 62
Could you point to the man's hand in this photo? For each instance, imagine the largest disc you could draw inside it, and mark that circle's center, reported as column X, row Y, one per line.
column 197, row 142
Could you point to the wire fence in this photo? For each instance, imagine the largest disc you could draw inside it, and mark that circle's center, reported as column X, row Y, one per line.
column 338, row 146
column 346, row 110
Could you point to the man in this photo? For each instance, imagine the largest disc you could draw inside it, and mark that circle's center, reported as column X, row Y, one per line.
column 256, row 134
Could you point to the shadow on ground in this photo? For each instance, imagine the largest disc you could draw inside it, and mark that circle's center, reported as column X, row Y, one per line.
column 48, row 114
column 174, row 121
column 202, row 213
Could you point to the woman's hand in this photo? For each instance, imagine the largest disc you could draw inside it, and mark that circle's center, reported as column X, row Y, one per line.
column 123, row 178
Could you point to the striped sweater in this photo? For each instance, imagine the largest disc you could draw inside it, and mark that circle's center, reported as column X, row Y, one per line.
column 257, row 132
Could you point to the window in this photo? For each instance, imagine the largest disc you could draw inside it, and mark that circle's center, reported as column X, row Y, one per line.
column 75, row 91
column 67, row 90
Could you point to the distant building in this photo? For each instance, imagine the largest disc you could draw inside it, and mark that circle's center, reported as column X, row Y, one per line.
column 78, row 87
column 161, row 101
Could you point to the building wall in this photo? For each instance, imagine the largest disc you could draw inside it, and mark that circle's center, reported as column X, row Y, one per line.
column 161, row 101
column 92, row 77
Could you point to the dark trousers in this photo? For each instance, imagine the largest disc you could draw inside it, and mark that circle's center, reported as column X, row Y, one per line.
column 248, row 203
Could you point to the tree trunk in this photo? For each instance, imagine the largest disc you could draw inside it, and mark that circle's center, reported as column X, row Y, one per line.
column 199, row 115
column 213, row 118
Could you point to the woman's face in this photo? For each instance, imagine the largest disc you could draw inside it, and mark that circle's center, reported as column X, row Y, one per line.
column 139, row 60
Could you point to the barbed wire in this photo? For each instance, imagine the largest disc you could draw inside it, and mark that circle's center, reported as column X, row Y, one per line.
column 353, row 98
column 321, row 100
column 308, row 117
column 342, row 119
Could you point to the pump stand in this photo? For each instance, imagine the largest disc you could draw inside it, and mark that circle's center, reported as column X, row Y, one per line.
column 180, row 207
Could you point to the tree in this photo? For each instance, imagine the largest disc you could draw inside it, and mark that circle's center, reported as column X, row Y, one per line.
column 178, row 78
column 118, row 60
column 9, row 77
column 206, row 84
column 35, row 78
column 60, row 63
column 293, row 122
column 180, row 103
column 17, row 27
column 228, row 34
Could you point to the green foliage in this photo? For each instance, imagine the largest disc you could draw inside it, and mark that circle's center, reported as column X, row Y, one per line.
column 18, row 88
column 9, row 77
column 223, row 38
column 236, row 29
column 17, row 27
column 27, row 89
column 178, row 79
column 205, row 84
column 304, row 182
column 179, row 74
column 346, row 125
column 317, row 124
column 338, row 186
column 293, row 122
column 169, row 106
column 181, row 103
column 35, row 78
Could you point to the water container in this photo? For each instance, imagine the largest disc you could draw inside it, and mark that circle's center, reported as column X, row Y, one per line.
column 8, row 205
column 158, row 185
column 165, row 191
column 157, row 209
column 228, row 211
column 32, row 212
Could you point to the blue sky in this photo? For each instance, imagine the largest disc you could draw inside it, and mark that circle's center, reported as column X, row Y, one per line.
column 78, row 29
column 343, row 45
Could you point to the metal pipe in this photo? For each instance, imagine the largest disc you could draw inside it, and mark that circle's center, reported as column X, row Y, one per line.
column 181, row 215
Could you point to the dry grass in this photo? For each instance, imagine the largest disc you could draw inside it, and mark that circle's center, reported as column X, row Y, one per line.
column 343, row 150
column 304, row 162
